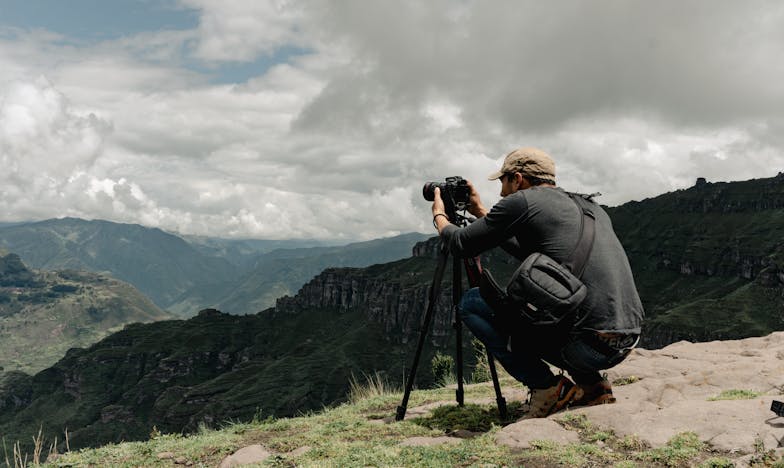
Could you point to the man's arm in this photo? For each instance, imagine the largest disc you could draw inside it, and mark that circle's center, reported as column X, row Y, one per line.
column 490, row 230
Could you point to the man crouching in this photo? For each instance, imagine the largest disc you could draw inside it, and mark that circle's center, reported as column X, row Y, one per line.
column 535, row 216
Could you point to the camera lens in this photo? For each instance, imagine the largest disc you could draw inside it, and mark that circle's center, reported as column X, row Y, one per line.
column 429, row 190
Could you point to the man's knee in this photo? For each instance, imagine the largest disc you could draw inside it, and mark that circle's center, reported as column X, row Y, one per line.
column 471, row 304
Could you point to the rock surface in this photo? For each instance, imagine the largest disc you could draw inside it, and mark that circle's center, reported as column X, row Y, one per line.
column 428, row 441
column 674, row 393
column 520, row 436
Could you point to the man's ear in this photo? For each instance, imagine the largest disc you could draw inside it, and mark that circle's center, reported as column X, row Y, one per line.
column 520, row 181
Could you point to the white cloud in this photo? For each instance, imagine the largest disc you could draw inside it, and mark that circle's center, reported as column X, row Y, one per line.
column 631, row 99
column 43, row 141
column 241, row 30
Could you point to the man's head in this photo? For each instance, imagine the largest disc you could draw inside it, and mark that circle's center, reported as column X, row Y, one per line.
column 524, row 168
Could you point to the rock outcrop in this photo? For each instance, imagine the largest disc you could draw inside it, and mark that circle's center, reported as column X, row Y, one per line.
column 397, row 302
column 720, row 390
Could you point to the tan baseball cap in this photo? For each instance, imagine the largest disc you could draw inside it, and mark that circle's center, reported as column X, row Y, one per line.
column 532, row 162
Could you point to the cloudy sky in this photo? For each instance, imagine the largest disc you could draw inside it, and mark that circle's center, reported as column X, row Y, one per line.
column 322, row 119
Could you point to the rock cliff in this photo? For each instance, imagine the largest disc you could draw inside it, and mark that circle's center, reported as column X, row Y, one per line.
column 398, row 303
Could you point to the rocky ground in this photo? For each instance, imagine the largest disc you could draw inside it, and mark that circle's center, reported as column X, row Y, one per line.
column 721, row 391
column 674, row 390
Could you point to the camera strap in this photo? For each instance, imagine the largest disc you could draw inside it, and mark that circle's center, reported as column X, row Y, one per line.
column 579, row 256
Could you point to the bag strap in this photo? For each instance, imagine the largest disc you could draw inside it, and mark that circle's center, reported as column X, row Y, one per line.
column 579, row 257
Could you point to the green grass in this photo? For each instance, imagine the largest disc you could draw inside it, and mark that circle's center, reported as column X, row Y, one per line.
column 374, row 385
column 353, row 435
column 626, row 380
column 736, row 395
column 470, row 417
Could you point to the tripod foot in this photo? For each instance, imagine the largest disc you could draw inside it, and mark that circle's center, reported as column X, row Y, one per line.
column 401, row 413
column 502, row 412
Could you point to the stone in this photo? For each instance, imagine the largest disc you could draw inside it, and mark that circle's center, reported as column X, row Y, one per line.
column 298, row 452
column 428, row 441
column 246, row 456
column 520, row 435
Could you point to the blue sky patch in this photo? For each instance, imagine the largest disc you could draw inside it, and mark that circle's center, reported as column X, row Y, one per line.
column 96, row 20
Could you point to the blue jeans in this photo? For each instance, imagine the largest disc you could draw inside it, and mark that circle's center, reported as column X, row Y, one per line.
column 523, row 352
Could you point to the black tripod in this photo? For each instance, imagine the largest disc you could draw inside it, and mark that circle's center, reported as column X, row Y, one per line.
column 473, row 270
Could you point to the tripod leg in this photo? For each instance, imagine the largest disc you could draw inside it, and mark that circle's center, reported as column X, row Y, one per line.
column 499, row 397
column 435, row 289
column 457, row 324
column 473, row 269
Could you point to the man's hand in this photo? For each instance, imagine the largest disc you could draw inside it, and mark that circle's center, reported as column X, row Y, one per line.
column 440, row 219
column 475, row 206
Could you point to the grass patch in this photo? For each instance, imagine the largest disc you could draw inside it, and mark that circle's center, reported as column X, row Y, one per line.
column 717, row 462
column 587, row 431
column 626, row 380
column 764, row 457
column 548, row 453
column 470, row 417
column 374, row 385
column 345, row 436
column 736, row 395
column 679, row 450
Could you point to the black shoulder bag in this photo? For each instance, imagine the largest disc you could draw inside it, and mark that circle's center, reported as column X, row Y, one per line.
column 543, row 291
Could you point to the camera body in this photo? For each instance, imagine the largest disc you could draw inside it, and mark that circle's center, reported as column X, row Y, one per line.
column 454, row 191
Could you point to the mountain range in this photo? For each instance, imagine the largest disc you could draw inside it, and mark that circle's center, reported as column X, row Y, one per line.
column 161, row 265
column 186, row 274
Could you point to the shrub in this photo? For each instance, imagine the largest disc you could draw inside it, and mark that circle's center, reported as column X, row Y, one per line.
column 481, row 371
column 442, row 366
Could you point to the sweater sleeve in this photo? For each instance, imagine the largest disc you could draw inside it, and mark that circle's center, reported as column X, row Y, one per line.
column 489, row 231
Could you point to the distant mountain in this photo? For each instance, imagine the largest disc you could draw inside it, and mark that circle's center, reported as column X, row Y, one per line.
column 160, row 265
column 283, row 271
column 184, row 276
column 44, row 313
column 245, row 252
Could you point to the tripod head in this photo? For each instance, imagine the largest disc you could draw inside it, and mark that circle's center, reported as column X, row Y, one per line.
column 460, row 219
column 456, row 209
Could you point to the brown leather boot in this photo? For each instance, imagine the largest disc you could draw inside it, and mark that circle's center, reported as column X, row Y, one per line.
column 543, row 402
column 599, row 393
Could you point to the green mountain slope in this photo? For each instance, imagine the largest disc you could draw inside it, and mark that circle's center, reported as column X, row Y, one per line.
column 160, row 265
column 44, row 313
column 708, row 261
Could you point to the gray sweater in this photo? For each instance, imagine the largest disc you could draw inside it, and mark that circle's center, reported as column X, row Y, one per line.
column 546, row 220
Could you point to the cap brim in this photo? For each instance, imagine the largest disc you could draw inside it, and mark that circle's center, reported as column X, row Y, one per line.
column 495, row 175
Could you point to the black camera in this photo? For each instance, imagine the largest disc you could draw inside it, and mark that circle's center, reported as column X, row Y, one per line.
column 455, row 192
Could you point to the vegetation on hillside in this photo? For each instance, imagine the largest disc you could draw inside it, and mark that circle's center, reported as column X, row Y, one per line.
column 45, row 313
column 708, row 261
column 176, row 375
